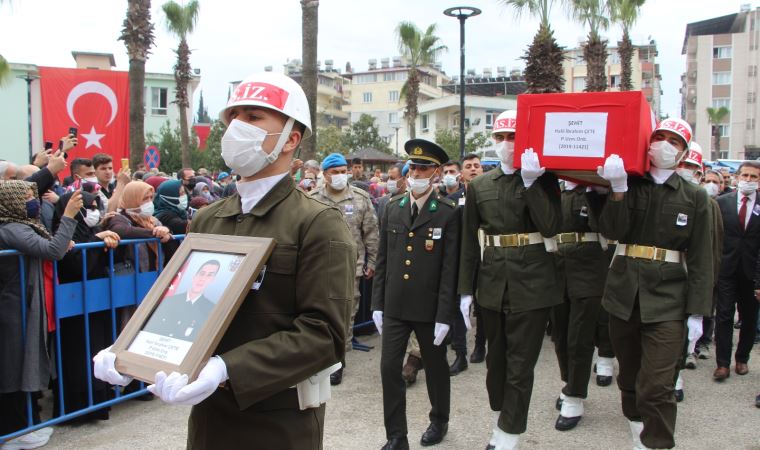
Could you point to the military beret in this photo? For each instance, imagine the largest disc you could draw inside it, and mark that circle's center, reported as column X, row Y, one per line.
column 334, row 160
column 425, row 153
column 405, row 169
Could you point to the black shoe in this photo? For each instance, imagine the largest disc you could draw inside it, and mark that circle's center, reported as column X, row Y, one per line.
column 434, row 433
column 558, row 403
column 396, row 444
column 679, row 395
column 566, row 423
column 459, row 364
column 336, row 377
column 490, row 447
column 757, row 401
column 478, row 355
column 603, row 380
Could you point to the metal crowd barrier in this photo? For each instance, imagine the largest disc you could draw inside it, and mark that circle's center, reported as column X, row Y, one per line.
column 82, row 298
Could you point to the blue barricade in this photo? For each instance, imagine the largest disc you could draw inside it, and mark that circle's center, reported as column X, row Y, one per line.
column 83, row 298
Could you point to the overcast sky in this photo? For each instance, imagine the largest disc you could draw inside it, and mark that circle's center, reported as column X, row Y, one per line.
column 234, row 38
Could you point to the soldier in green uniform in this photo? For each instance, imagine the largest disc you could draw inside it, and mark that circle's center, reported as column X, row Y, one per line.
column 294, row 325
column 517, row 282
column 581, row 261
column 661, row 274
column 415, row 290
column 357, row 209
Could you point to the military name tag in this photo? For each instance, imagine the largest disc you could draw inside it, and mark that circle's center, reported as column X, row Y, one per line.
column 348, row 210
column 461, row 201
column 584, row 211
column 756, row 210
column 259, row 279
column 429, row 245
column 437, row 233
column 682, row 219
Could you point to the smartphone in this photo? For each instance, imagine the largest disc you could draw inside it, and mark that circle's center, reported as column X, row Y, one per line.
column 73, row 131
column 48, row 145
column 124, row 163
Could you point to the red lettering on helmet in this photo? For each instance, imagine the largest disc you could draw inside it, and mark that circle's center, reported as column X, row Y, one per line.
column 260, row 92
column 506, row 123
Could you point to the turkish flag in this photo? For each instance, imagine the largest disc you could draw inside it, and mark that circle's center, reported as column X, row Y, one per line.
column 94, row 101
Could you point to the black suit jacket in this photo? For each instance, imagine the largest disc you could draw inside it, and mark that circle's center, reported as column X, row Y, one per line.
column 740, row 247
column 177, row 318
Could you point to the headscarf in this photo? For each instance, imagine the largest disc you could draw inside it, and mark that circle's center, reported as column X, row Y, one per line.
column 132, row 198
column 167, row 198
column 155, row 181
column 13, row 205
column 198, row 189
column 198, row 202
column 82, row 233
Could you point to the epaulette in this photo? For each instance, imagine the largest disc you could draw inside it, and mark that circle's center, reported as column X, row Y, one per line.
column 396, row 197
column 360, row 191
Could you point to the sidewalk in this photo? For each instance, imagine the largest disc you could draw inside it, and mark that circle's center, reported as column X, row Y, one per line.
column 713, row 415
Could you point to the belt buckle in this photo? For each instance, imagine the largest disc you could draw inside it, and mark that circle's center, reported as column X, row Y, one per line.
column 659, row 254
column 523, row 239
column 509, row 240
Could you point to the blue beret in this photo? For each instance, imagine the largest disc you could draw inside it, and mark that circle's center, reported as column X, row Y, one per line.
column 405, row 170
column 334, row 160
column 222, row 175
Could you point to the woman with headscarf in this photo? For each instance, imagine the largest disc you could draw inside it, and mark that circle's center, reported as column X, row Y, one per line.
column 170, row 205
column 74, row 361
column 24, row 363
column 202, row 190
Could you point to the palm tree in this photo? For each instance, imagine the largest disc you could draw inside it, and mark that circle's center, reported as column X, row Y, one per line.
column 137, row 35
column 180, row 21
column 419, row 49
column 625, row 12
column 543, row 59
column 715, row 116
column 594, row 14
column 309, row 28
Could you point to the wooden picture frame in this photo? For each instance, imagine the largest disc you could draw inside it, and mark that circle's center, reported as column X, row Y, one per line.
column 140, row 353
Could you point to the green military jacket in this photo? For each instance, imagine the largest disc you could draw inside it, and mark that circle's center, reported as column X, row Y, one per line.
column 415, row 277
column 357, row 209
column 295, row 324
column 499, row 204
column 675, row 215
column 581, row 265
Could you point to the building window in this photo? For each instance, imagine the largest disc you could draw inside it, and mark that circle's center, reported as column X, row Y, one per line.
column 721, row 102
column 750, row 124
column 751, row 97
column 720, row 78
column 614, row 57
column 424, row 122
column 490, row 117
column 393, row 96
column 724, row 130
column 579, row 84
column 365, row 78
column 752, row 71
column 367, row 97
column 393, row 118
column 159, row 101
column 723, row 154
column 615, row 81
column 721, row 52
column 395, row 76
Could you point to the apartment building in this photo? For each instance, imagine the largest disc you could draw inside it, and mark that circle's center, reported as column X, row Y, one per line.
column 332, row 95
column 645, row 72
column 722, row 57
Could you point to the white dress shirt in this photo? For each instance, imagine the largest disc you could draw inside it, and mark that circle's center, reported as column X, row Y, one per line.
column 660, row 175
column 251, row 192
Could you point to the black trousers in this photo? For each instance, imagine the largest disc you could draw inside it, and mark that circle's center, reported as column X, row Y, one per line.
column 514, row 343
column 602, row 335
column 649, row 355
column 458, row 333
column 573, row 332
column 394, row 339
column 735, row 292
column 708, row 322
column 480, row 334
column 13, row 412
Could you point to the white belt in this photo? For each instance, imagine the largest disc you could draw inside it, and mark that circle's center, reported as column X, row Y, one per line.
column 649, row 252
column 513, row 240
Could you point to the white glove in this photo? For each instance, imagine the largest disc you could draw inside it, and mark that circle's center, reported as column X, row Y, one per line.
column 173, row 389
column 377, row 317
column 531, row 169
column 439, row 332
column 614, row 172
column 694, row 324
column 104, row 368
column 464, row 306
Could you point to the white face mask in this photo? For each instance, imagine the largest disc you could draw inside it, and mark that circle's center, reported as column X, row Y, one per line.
column 146, row 209
column 93, row 180
column 242, row 147
column 686, row 174
column 392, row 186
column 182, row 202
column 747, row 187
column 419, row 185
column 92, row 217
column 712, row 189
column 339, row 181
column 506, row 152
column 663, row 154
column 450, row 181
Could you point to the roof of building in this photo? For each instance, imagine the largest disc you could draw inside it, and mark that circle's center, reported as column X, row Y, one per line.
column 488, row 86
column 371, row 155
column 732, row 23
column 110, row 57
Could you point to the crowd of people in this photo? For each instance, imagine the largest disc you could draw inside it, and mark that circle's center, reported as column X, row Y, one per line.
column 648, row 270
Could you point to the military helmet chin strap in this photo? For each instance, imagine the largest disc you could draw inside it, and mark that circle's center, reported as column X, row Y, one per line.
column 284, row 136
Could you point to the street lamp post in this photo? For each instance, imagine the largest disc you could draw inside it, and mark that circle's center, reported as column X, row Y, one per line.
column 462, row 13
column 396, row 128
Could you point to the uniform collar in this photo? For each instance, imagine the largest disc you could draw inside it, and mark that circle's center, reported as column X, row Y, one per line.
column 276, row 194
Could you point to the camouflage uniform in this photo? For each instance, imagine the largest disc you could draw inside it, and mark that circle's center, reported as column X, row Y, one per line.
column 357, row 209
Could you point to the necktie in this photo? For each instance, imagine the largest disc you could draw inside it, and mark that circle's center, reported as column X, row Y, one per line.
column 743, row 212
column 414, row 212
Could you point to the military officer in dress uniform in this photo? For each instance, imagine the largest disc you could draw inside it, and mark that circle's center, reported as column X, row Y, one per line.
column 294, row 325
column 517, row 281
column 661, row 274
column 415, row 290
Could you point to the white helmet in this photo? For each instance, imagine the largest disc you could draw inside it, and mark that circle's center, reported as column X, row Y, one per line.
column 677, row 126
column 695, row 154
column 506, row 122
column 274, row 91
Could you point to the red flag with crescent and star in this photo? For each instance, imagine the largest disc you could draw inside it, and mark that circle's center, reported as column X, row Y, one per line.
column 96, row 102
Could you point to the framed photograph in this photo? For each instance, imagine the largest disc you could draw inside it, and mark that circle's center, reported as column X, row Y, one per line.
column 187, row 311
